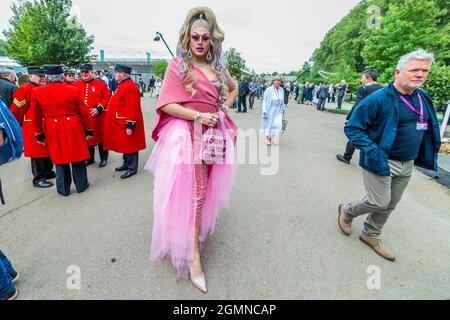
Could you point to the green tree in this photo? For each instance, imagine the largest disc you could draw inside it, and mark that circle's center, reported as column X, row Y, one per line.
column 407, row 26
column 42, row 32
column 159, row 68
column 402, row 32
column 235, row 62
column 438, row 85
column 2, row 47
column 340, row 51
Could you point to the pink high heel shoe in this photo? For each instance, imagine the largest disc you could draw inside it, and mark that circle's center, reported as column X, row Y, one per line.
column 198, row 282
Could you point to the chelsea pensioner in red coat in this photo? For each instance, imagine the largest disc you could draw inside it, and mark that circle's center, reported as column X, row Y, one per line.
column 65, row 121
column 124, row 123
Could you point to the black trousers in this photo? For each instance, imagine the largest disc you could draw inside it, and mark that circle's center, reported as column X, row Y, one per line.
column 64, row 177
column 252, row 100
column 340, row 100
column 131, row 161
column 349, row 152
column 242, row 103
column 104, row 154
column 40, row 167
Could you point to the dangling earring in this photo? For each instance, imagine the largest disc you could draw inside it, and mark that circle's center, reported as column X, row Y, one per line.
column 209, row 56
column 189, row 54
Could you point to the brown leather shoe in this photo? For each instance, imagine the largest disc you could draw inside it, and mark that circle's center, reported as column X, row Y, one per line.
column 344, row 223
column 378, row 247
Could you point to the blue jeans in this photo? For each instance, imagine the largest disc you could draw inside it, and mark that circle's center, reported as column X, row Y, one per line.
column 6, row 270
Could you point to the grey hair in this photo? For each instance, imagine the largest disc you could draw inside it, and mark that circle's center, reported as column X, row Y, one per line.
column 420, row 54
column 5, row 73
column 55, row 77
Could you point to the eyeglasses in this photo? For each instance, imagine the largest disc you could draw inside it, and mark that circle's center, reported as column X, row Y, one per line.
column 196, row 37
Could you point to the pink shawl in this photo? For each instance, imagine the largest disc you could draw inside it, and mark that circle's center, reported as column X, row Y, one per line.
column 206, row 98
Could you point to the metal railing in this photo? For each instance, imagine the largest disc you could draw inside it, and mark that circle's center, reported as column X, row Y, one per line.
column 445, row 122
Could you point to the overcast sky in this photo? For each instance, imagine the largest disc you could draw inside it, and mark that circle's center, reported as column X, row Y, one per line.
column 272, row 36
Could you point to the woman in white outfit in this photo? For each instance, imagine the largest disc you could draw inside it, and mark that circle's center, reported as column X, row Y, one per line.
column 158, row 85
column 273, row 110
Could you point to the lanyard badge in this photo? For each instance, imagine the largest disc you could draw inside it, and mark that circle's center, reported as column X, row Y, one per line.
column 421, row 125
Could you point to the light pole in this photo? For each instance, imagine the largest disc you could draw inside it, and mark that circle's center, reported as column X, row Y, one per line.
column 159, row 37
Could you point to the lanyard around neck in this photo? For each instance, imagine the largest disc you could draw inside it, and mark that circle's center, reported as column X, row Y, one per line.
column 410, row 106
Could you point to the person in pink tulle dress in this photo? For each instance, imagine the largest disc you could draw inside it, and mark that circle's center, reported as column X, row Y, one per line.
column 193, row 162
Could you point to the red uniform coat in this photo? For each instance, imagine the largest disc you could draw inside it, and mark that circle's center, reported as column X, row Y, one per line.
column 125, row 109
column 93, row 93
column 64, row 123
column 20, row 108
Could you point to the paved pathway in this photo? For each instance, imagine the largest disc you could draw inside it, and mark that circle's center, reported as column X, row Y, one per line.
column 278, row 240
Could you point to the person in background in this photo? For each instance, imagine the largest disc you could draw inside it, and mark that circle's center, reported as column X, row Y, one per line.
column 236, row 101
column 104, row 77
column 330, row 93
column 96, row 97
column 151, row 87
column 341, row 93
column 158, row 85
column 113, row 85
column 253, row 90
column 287, row 91
column 69, row 76
column 141, row 86
column 296, row 91
column 62, row 122
column 8, row 276
column 301, row 94
column 41, row 163
column 8, row 86
column 273, row 109
column 124, row 123
column 97, row 76
column 370, row 85
column 323, row 95
column 309, row 94
column 258, row 90
column 243, row 93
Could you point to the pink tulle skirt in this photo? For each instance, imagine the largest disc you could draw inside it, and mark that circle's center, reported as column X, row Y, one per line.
column 173, row 166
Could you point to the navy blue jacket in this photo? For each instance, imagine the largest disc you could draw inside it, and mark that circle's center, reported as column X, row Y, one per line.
column 373, row 129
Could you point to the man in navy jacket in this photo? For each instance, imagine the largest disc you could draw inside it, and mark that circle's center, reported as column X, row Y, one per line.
column 395, row 128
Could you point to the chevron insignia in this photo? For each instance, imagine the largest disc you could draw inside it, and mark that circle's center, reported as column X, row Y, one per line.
column 20, row 104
